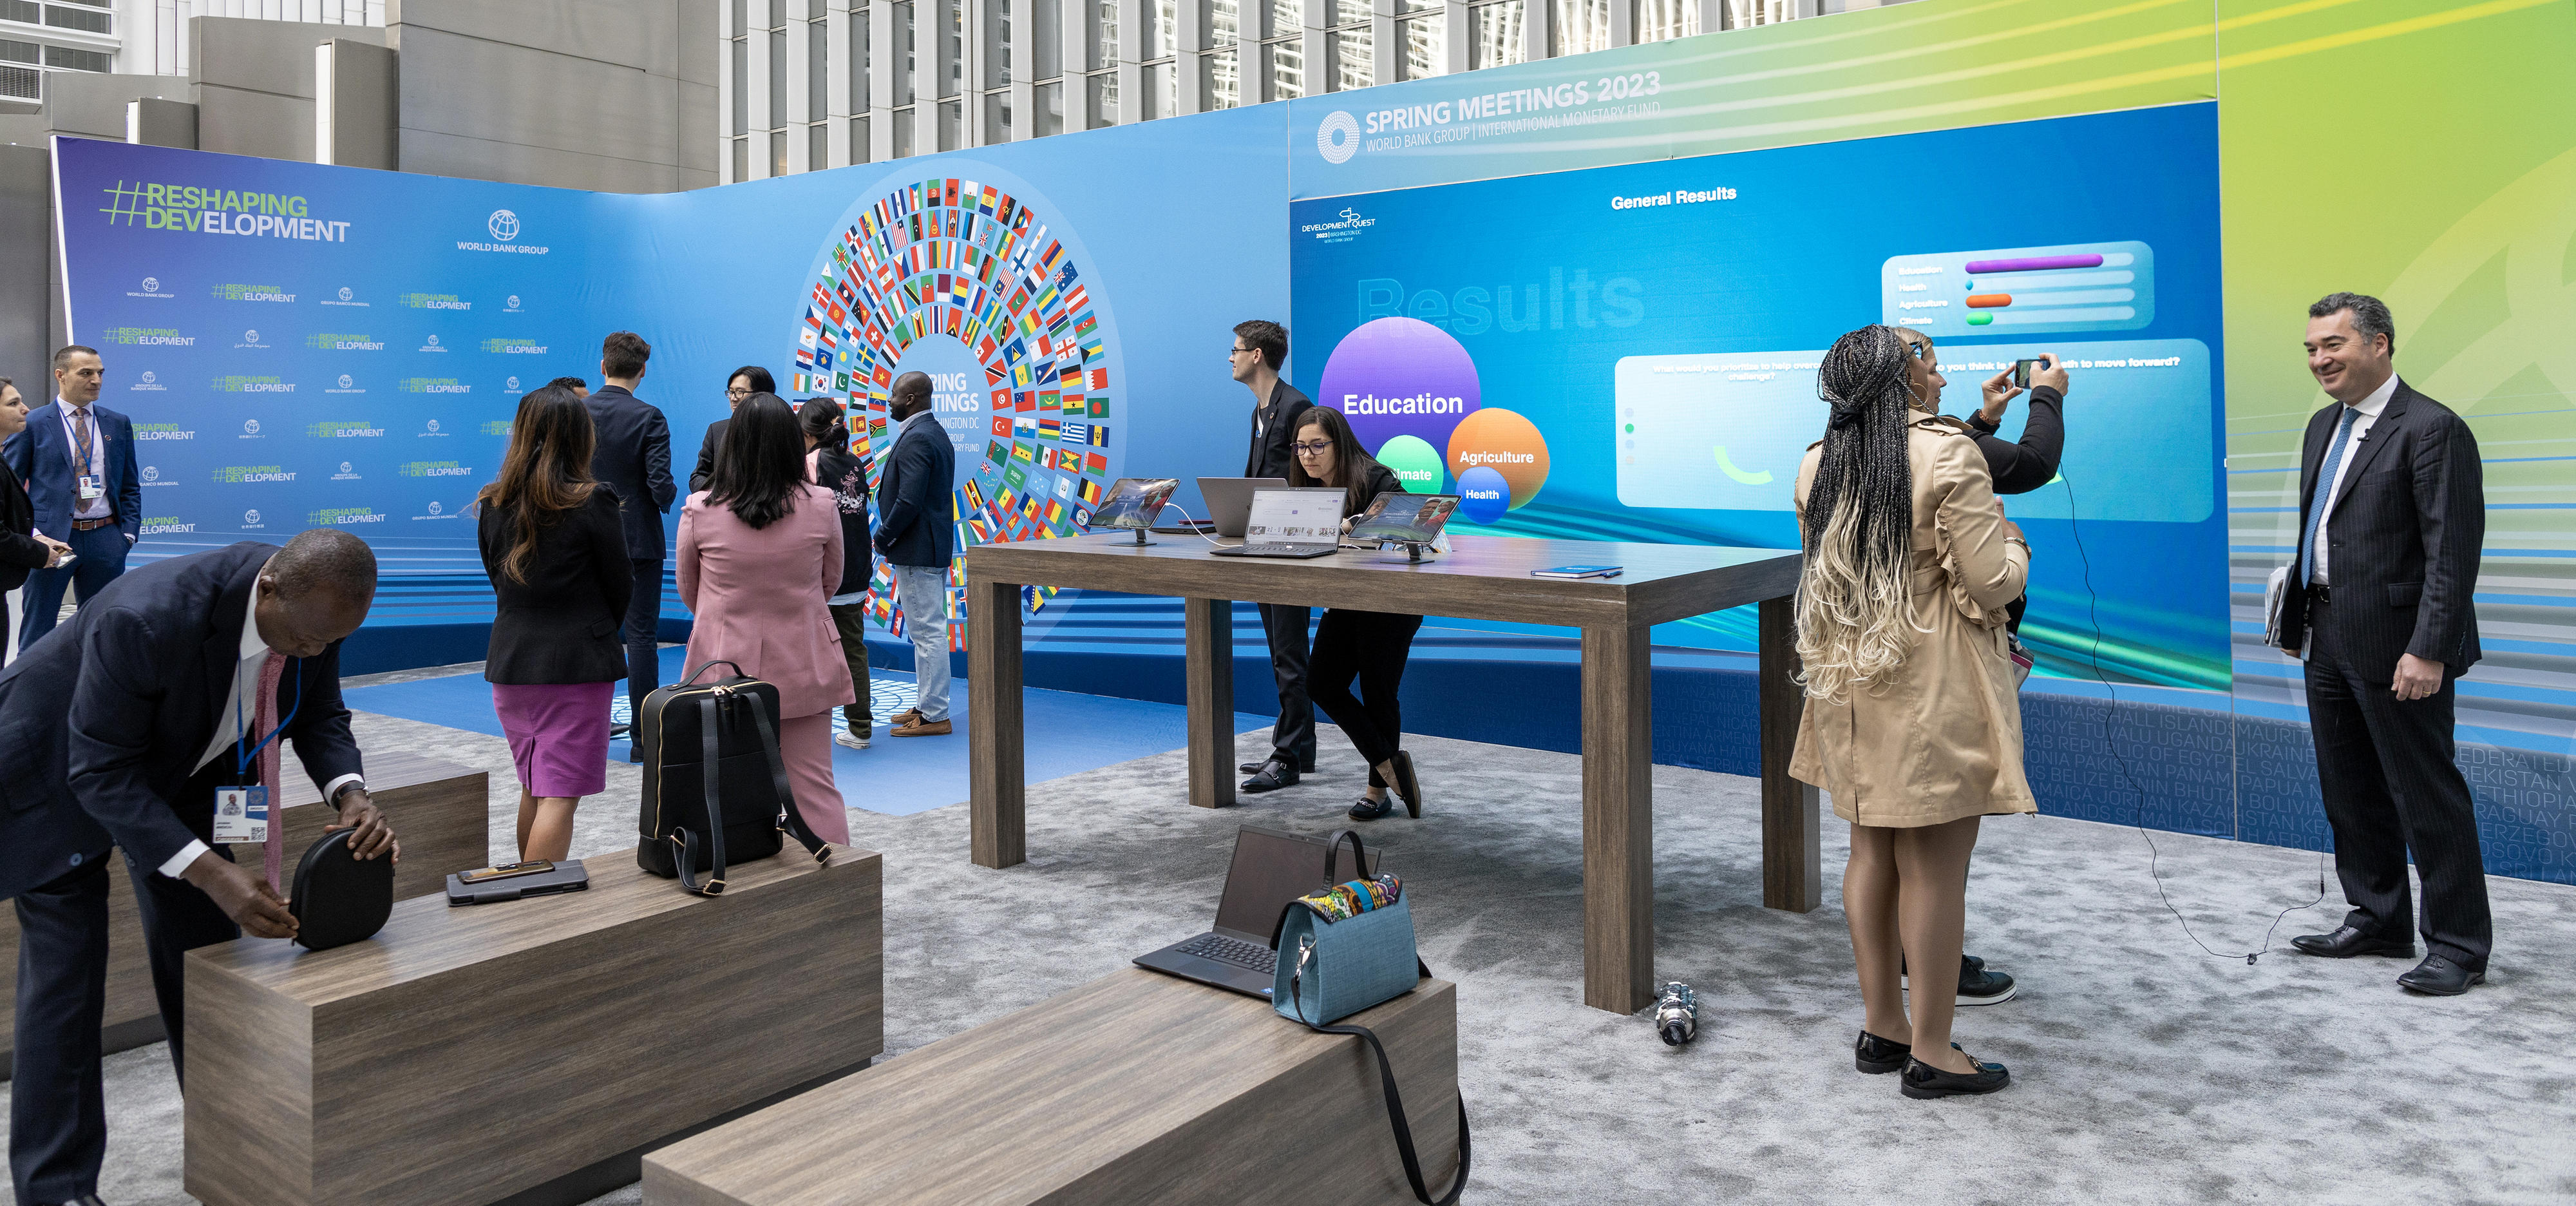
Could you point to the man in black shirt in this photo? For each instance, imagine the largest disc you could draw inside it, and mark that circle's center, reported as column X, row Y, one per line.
column 1260, row 347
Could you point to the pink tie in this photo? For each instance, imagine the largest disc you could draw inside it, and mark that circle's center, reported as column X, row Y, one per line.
column 264, row 722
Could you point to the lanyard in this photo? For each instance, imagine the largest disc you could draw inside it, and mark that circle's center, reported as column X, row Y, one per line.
column 241, row 759
column 84, row 437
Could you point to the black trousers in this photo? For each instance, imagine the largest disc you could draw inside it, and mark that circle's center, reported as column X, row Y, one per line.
column 642, row 630
column 1370, row 646
column 1292, row 740
column 2391, row 789
column 57, row 1122
column 851, row 621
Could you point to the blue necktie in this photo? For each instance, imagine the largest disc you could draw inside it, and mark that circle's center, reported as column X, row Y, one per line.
column 2324, row 499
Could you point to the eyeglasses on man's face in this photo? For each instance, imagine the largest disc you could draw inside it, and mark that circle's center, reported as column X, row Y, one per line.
column 1313, row 448
column 737, row 391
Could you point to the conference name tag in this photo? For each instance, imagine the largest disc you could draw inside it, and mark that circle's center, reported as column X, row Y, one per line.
column 241, row 814
column 90, row 487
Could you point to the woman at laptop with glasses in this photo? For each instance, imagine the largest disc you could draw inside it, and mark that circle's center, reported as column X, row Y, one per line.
column 1912, row 721
column 1370, row 646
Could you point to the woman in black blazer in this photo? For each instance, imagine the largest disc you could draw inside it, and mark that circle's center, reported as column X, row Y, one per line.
column 21, row 547
column 557, row 558
column 1370, row 646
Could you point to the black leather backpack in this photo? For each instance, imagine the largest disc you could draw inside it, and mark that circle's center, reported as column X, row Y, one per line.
column 714, row 784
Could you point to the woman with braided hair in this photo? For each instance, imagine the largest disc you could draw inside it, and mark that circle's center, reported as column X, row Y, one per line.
column 1913, row 721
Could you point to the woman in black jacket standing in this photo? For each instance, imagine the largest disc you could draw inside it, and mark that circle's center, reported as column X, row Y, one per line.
column 22, row 548
column 1368, row 645
column 557, row 558
column 828, row 464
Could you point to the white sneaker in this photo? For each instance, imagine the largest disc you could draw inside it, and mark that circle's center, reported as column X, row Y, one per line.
column 856, row 741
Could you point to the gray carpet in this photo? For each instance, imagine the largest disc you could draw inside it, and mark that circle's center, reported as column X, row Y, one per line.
column 2144, row 1071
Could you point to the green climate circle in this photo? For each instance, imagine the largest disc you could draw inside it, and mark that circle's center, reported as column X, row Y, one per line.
column 1416, row 463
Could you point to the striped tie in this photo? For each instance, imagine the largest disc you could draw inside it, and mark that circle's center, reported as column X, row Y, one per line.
column 264, row 722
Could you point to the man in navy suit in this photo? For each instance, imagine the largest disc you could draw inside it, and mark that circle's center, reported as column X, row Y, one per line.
column 120, row 733
column 77, row 460
column 633, row 460
column 914, row 534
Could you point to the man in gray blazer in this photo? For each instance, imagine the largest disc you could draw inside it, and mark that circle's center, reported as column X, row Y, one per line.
column 2392, row 513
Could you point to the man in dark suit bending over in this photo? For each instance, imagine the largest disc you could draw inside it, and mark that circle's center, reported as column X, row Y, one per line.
column 2392, row 513
column 633, row 460
column 178, row 679
column 1260, row 347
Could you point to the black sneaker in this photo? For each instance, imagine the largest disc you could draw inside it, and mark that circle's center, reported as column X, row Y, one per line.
column 1977, row 986
column 1922, row 1081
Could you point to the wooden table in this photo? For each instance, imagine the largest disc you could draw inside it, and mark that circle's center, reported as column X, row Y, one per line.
column 1135, row 1088
column 526, row 1051
column 439, row 809
column 1486, row 578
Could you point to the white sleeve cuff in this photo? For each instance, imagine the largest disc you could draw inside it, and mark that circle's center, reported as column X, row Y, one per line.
column 333, row 788
column 179, row 862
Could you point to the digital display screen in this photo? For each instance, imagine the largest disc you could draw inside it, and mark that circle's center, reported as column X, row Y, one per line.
column 1295, row 517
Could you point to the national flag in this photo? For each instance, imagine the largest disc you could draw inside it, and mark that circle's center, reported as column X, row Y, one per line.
column 974, row 496
column 1072, row 404
column 1016, row 477
column 1050, row 429
column 1071, row 376
column 1001, row 399
column 1055, row 512
column 1020, row 377
column 1085, row 325
column 1064, row 487
column 1002, row 502
column 983, row 531
column 1100, row 432
column 1024, row 429
column 1050, row 400
column 804, row 359
column 1090, row 492
column 1024, row 402
column 984, row 351
column 1077, row 433
column 1022, row 452
column 809, row 336
column 1095, row 464
column 1001, row 427
column 1100, row 380
column 1078, row 298
column 997, row 451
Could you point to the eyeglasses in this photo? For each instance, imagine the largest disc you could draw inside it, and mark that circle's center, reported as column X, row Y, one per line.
column 1317, row 448
column 736, row 391
column 1240, row 351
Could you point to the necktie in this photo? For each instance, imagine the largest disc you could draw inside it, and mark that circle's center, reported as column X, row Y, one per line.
column 2323, row 500
column 84, row 437
column 264, row 722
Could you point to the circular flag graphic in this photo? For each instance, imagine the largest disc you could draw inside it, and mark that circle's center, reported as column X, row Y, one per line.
column 968, row 282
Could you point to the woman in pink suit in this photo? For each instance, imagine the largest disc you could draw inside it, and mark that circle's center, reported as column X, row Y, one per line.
column 760, row 552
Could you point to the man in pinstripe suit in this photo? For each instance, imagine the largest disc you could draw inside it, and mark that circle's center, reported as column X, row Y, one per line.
column 2392, row 511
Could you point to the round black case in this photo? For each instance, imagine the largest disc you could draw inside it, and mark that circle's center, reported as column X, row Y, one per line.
column 340, row 899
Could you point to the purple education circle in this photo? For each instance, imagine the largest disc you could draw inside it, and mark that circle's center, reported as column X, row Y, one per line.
column 1400, row 376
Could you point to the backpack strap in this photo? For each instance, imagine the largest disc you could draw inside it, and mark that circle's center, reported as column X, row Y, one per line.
column 791, row 821
column 1386, row 1081
column 707, row 713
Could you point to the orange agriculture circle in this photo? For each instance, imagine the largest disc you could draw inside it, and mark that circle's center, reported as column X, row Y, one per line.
column 1505, row 442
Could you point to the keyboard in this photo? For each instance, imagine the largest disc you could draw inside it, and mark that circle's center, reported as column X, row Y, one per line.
column 1277, row 550
column 1250, row 955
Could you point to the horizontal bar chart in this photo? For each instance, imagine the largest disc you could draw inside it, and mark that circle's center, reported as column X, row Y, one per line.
column 2106, row 286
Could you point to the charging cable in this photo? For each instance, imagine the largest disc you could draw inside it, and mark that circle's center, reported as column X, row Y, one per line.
column 1194, row 529
column 2093, row 611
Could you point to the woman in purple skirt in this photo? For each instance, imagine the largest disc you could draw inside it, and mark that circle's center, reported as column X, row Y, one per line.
column 557, row 560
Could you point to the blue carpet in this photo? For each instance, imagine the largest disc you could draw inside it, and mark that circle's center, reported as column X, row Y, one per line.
column 1067, row 733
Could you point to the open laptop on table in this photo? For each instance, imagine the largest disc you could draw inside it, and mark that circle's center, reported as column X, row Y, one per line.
column 1229, row 500
column 1270, row 869
column 1294, row 523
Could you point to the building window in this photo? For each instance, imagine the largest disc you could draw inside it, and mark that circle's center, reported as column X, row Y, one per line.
column 1664, row 20
column 953, row 50
column 1049, row 118
column 20, row 52
column 79, row 60
column 997, row 117
column 952, row 125
column 1100, row 36
column 1582, row 26
column 1425, row 42
column 1103, row 89
column 818, row 72
column 996, row 47
column 903, row 128
column 741, row 89
column 818, row 146
column 20, row 10
column 1351, row 61
column 1498, row 34
column 80, row 19
column 904, row 57
column 860, row 96
column 1220, row 80
column 777, row 153
column 1282, row 66
column 741, row 159
column 860, row 151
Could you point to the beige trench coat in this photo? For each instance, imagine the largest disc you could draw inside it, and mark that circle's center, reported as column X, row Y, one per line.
column 1943, row 740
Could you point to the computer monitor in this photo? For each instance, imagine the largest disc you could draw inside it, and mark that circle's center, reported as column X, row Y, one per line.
column 1133, row 502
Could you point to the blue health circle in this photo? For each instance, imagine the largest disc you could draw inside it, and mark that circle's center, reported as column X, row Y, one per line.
column 1483, row 495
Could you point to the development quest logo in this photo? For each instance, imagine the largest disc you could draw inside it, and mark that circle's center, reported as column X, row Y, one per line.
column 193, row 209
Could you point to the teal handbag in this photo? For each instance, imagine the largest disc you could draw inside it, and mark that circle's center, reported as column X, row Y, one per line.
column 1342, row 950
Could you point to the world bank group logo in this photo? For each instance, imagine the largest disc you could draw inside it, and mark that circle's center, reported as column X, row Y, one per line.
column 503, row 224
column 346, row 380
column 511, row 305
column 151, row 474
column 152, row 284
column 149, row 377
column 250, row 427
column 1337, row 137
column 436, row 508
column 250, row 518
column 346, row 293
column 511, row 383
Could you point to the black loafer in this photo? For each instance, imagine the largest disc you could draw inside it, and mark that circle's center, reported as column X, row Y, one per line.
column 1272, row 776
column 1406, row 785
column 1876, row 1055
column 1924, row 1082
column 1977, row 986
column 2347, row 942
column 2438, row 976
column 1370, row 810
column 1254, row 768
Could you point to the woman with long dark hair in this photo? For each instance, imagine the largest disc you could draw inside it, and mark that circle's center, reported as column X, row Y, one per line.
column 1912, row 721
column 556, row 555
column 829, row 464
column 760, row 552
column 1370, row 646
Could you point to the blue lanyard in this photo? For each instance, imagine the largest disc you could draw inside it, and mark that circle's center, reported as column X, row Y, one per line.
column 241, row 760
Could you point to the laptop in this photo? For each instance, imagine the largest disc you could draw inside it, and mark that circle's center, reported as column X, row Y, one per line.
column 1295, row 523
column 1270, row 869
column 1229, row 500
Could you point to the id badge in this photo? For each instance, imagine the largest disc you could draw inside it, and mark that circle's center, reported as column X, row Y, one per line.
column 90, row 487
column 241, row 814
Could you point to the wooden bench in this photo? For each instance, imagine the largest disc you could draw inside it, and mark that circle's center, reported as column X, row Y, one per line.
column 1135, row 1088
column 528, row 1051
column 440, row 810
